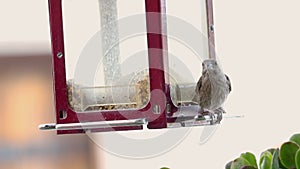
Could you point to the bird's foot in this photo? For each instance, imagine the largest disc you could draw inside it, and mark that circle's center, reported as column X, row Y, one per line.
column 219, row 112
column 207, row 112
column 216, row 116
column 211, row 115
column 220, row 109
column 203, row 113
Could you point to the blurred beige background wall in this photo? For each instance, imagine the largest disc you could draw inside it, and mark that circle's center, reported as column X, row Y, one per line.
column 257, row 43
column 26, row 102
column 26, row 97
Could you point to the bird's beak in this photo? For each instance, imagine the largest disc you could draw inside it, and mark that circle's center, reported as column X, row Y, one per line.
column 209, row 66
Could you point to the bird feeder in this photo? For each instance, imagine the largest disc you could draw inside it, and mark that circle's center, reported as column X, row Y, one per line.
column 100, row 85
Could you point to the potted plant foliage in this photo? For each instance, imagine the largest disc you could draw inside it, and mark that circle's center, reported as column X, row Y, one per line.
column 285, row 157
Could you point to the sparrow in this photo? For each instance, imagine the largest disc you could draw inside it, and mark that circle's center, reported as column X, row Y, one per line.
column 212, row 89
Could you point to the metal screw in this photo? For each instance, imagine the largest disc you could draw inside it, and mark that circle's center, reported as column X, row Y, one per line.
column 212, row 28
column 59, row 54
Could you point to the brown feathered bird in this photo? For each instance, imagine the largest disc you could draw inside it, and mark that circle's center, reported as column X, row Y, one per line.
column 212, row 89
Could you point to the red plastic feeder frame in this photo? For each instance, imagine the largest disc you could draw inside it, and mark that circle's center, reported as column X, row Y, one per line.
column 157, row 114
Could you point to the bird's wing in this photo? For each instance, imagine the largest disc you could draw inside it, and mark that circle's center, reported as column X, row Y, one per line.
column 199, row 84
column 228, row 83
column 197, row 90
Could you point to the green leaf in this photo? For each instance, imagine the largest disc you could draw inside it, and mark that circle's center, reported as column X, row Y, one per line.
column 250, row 158
column 239, row 163
column 297, row 159
column 228, row 165
column 296, row 138
column 275, row 162
column 272, row 150
column 248, row 167
column 287, row 154
column 165, row 168
column 265, row 161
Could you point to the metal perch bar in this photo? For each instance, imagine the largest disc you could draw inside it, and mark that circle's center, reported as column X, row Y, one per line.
column 94, row 125
column 180, row 121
